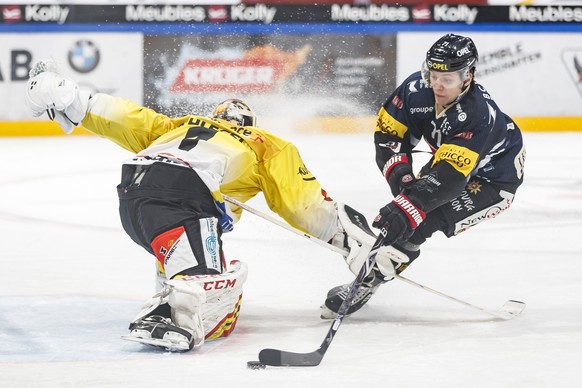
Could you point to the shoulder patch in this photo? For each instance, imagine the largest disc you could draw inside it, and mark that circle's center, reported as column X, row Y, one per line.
column 389, row 125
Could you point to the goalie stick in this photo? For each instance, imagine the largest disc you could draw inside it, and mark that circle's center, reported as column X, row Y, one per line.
column 509, row 310
column 275, row 357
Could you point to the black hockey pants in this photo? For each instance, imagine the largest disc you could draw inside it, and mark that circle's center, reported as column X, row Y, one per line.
column 157, row 198
column 479, row 201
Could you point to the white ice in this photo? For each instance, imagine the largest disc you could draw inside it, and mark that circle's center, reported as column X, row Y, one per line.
column 71, row 281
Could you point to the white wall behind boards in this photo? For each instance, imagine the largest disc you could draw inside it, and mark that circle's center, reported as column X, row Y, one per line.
column 102, row 62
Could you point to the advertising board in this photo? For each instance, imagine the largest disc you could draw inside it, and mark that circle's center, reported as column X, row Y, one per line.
column 101, row 62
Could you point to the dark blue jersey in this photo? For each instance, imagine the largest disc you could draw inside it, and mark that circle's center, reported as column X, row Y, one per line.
column 472, row 137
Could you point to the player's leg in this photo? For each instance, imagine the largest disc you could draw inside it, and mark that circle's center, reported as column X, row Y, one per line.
column 478, row 202
column 169, row 211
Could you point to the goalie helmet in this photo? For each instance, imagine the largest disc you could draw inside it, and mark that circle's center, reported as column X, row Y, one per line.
column 236, row 112
column 451, row 53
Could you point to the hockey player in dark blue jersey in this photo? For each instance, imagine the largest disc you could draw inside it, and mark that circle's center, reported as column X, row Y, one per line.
column 475, row 170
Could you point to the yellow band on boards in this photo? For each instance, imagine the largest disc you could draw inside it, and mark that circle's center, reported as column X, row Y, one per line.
column 331, row 124
column 36, row 128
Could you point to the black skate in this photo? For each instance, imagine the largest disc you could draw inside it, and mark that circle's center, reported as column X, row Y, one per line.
column 337, row 295
column 160, row 332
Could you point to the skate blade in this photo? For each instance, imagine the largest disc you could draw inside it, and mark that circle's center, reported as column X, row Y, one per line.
column 181, row 346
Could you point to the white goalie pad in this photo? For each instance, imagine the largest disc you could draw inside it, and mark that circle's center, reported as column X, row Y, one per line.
column 59, row 96
column 223, row 299
column 204, row 305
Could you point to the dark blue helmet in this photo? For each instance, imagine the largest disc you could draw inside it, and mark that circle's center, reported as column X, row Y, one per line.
column 451, row 53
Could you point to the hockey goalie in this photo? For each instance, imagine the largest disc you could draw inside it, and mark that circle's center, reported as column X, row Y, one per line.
column 171, row 200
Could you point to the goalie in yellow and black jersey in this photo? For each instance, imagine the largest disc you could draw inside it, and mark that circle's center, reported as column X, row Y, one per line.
column 172, row 204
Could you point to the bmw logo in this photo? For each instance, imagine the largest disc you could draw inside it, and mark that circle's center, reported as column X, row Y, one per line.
column 84, row 56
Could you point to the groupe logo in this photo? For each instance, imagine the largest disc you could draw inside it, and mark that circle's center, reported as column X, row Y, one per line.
column 84, row 56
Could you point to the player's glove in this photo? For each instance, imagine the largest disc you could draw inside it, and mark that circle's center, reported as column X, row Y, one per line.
column 398, row 173
column 400, row 217
column 59, row 96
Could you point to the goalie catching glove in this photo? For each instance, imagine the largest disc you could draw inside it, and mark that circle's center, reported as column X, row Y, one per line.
column 59, row 96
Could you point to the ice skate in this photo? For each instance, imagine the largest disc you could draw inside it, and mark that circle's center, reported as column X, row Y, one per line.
column 160, row 332
column 336, row 295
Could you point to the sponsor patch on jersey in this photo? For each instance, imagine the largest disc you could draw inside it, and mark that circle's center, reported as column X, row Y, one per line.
column 305, row 174
column 389, row 125
column 461, row 158
column 209, row 235
column 464, row 135
column 397, row 102
column 474, row 187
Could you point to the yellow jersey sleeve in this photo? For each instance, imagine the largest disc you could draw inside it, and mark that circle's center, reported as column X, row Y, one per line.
column 126, row 123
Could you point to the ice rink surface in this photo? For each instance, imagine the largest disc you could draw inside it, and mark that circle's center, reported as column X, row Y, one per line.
column 71, row 281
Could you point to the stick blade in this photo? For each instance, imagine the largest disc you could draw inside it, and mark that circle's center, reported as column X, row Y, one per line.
column 513, row 308
column 274, row 357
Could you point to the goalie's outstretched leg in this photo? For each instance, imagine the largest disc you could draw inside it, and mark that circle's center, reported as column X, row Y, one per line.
column 191, row 310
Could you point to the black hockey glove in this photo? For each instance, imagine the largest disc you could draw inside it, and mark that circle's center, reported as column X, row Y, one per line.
column 400, row 217
column 398, row 173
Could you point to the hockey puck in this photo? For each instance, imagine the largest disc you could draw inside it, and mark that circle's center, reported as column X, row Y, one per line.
column 255, row 365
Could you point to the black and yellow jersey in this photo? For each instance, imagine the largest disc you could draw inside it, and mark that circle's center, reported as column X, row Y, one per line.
column 237, row 161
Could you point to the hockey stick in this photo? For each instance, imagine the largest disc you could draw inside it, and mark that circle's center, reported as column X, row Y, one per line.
column 283, row 225
column 509, row 310
column 275, row 357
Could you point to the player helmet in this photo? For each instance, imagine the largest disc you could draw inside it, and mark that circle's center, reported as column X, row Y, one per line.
column 236, row 112
column 451, row 53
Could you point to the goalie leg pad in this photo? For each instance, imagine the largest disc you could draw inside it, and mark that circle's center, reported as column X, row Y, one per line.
column 190, row 310
column 223, row 299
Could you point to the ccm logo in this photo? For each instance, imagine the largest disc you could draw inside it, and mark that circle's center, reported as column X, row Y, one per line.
column 219, row 284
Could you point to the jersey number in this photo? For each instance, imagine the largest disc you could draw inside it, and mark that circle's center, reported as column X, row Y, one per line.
column 194, row 135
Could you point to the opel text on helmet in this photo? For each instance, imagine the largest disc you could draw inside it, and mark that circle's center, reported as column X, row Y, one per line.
column 236, row 112
column 451, row 53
